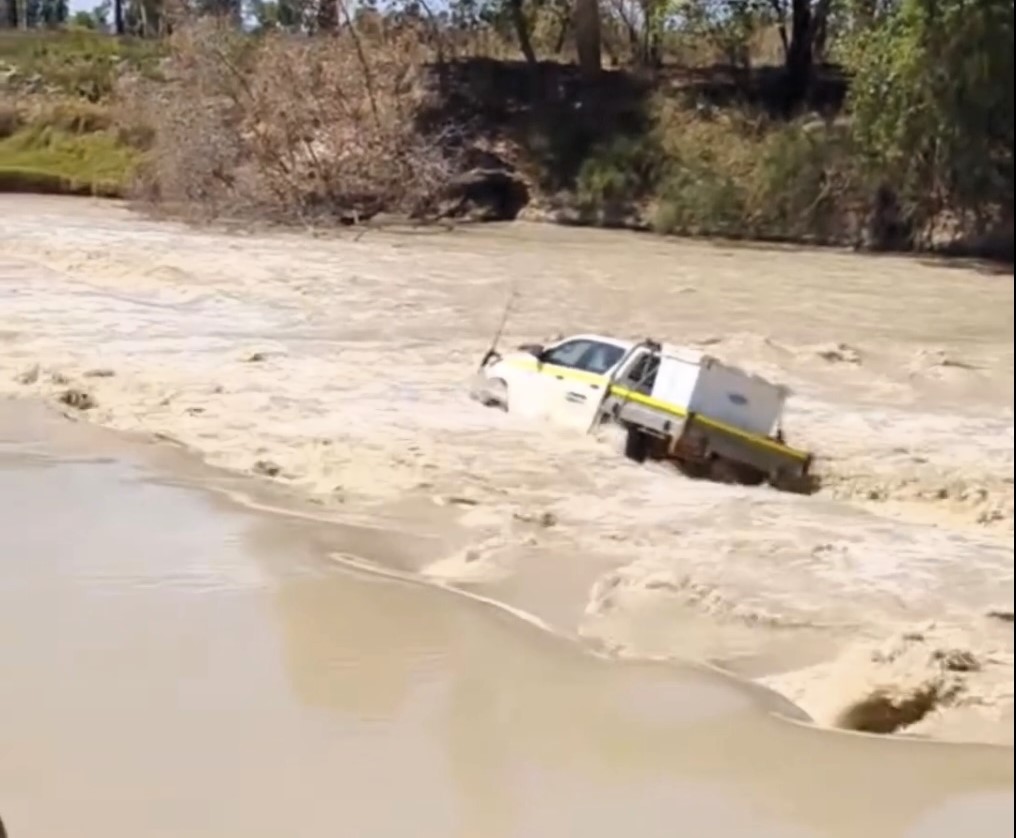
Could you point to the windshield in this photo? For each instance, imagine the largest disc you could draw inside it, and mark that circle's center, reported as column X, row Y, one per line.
column 585, row 354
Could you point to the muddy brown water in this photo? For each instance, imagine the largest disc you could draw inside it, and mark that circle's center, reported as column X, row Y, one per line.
column 176, row 664
column 334, row 368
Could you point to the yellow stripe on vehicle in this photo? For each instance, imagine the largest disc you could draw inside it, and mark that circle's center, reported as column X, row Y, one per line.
column 754, row 439
column 521, row 363
column 648, row 401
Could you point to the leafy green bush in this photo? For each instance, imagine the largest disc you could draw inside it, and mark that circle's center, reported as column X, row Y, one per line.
column 932, row 105
column 805, row 186
column 699, row 199
column 730, row 173
column 620, row 173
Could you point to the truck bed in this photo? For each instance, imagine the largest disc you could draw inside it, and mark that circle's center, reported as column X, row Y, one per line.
column 694, row 436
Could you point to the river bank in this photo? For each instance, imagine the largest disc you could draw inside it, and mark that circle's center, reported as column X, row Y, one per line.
column 335, row 369
column 395, row 126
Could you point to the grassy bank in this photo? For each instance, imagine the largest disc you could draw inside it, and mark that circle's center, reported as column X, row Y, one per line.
column 59, row 130
column 48, row 159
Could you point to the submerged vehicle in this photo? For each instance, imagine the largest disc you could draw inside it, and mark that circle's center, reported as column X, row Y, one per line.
column 674, row 403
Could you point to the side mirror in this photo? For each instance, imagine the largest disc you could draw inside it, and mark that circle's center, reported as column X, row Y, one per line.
column 534, row 349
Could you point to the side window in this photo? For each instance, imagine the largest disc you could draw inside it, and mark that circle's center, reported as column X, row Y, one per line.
column 568, row 354
column 600, row 357
column 641, row 375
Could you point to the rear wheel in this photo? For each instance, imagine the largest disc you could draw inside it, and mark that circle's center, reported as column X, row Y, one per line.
column 636, row 445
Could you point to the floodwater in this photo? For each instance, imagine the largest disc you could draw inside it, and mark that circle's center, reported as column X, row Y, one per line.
column 175, row 664
column 333, row 370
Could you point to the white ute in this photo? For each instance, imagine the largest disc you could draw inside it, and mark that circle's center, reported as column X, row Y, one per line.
column 675, row 403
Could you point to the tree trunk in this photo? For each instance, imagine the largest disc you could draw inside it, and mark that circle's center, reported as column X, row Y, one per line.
column 587, row 36
column 522, row 31
column 820, row 25
column 22, row 13
column 118, row 27
column 797, row 70
column 652, row 14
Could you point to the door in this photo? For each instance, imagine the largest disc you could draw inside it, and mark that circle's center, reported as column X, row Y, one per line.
column 577, row 372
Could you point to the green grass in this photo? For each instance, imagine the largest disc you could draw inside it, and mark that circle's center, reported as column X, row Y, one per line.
column 48, row 159
column 57, row 132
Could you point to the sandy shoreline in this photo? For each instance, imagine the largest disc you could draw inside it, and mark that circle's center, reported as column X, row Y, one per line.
column 337, row 368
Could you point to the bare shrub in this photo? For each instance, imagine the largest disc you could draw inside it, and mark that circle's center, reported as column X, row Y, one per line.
column 290, row 127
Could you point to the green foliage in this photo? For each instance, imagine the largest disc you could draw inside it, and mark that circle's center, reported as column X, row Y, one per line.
column 932, row 103
column 278, row 14
column 620, row 172
column 927, row 141
column 95, row 162
column 85, row 20
column 699, row 199
column 729, row 26
column 805, row 186
column 59, row 133
column 760, row 179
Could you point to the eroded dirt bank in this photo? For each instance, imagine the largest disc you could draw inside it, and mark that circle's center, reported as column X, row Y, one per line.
column 336, row 366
